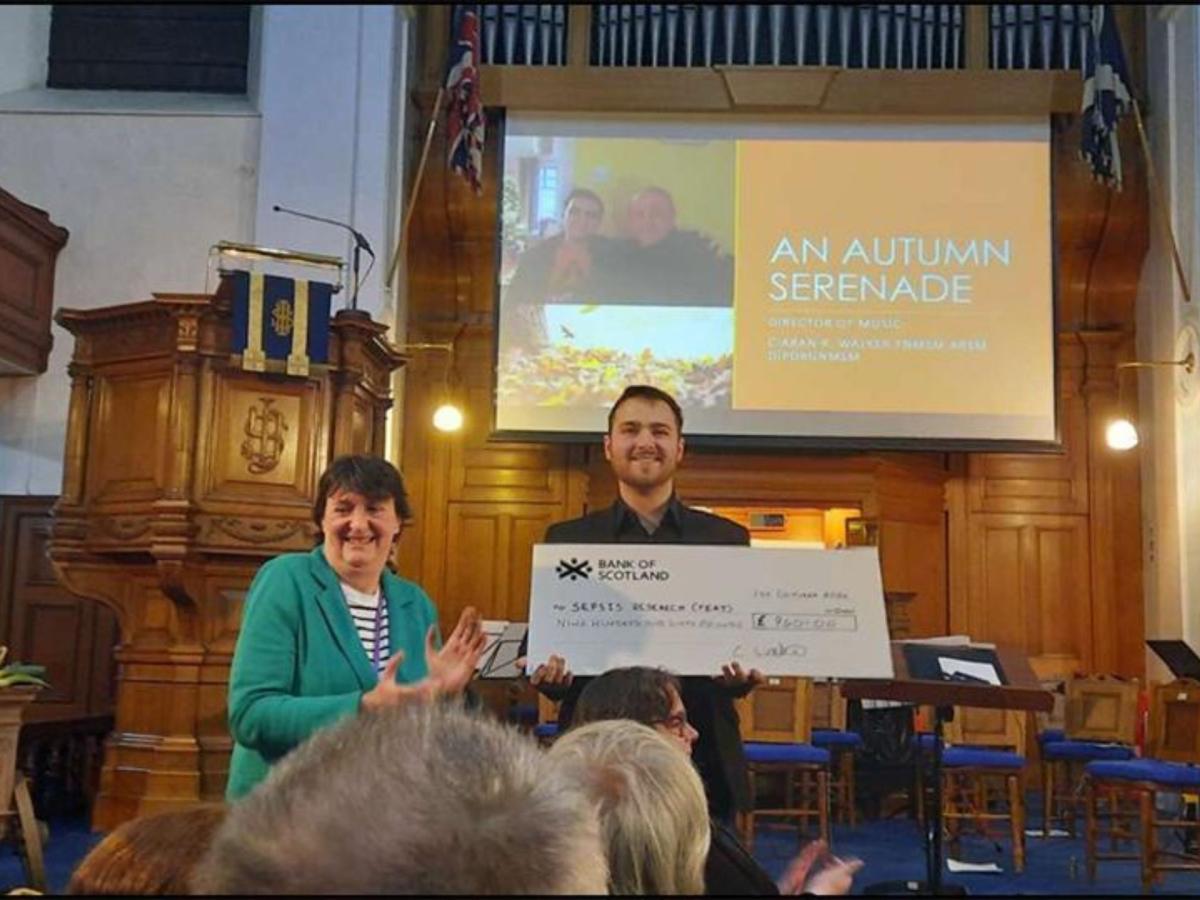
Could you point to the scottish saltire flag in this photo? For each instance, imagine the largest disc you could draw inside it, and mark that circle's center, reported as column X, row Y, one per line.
column 1106, row 97
column 283, row 319
column 465, row 125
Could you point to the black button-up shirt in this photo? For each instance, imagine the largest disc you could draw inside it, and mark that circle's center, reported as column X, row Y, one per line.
column 620, row 525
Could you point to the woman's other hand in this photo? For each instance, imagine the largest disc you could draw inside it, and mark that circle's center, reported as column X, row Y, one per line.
column 388, row 693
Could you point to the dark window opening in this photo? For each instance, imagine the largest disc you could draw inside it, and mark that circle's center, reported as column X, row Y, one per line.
column 152, row 47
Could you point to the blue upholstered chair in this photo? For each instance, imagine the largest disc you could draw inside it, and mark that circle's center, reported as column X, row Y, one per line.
column 982, row 751
column 1170, row 768
column 776, row 725
column 1100, row 720
column 1063, row 763
column 829, row 733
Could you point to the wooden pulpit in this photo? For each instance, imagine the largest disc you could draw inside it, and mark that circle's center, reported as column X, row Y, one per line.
column 184, row 473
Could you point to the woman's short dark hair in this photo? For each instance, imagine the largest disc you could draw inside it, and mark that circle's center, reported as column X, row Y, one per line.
column 374, row 478
column 636, row 692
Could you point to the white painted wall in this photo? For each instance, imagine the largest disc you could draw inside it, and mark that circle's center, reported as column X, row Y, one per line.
column 1171, row 429
column 144, row 197
column 146, row 182
column 327, row 101
column 24, row 45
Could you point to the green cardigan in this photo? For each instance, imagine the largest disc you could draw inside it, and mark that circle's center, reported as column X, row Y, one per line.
column 299, row 664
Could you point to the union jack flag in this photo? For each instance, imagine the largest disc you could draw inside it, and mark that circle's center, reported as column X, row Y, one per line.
column 465, row 127
column 1106, row 97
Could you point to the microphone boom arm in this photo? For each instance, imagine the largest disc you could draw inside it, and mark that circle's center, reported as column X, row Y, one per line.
column 360, row 243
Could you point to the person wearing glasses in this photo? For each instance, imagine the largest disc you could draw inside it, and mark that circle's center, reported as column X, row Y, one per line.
column 654, row 697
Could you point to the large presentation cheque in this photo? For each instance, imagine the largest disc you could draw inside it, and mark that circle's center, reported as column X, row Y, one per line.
column 806, row 612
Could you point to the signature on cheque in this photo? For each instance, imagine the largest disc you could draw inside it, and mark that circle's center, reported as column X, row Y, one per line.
column 774, row 650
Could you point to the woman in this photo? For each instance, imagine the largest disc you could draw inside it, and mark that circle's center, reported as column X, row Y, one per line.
column 653, row 814
column 331, row 632
column 653, row 697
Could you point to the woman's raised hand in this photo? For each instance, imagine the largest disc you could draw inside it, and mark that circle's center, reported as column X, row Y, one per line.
column 452, row 667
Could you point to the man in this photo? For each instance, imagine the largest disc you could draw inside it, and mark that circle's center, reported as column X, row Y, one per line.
column 645, row 445
column 661, row 264
column 653, row 697
column 427, row 799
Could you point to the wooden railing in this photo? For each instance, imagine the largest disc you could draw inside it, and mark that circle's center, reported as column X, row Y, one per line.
column 825, row 59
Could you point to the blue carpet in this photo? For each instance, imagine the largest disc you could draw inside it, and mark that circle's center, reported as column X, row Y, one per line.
column 891, row 849
column 70, row 841
column 894, row 850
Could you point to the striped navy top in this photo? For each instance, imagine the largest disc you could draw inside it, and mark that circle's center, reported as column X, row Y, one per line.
column 369, row 613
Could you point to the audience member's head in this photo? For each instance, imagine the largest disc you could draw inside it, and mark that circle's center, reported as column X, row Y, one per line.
column 652, row 807
column 582, row 214
column 651, row 216
column 149, row 856
column 428, row 799
column 650, row 696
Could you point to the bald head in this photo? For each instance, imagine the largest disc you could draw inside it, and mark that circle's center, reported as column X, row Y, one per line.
column 651, row 216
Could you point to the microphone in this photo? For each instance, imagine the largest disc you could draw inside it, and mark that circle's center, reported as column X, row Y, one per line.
column 360, row 243
column 359, row 238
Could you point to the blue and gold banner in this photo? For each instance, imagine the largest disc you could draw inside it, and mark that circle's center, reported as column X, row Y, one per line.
column 277, row 318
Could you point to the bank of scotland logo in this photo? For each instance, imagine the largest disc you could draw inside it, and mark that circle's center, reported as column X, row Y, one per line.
column 574, row 569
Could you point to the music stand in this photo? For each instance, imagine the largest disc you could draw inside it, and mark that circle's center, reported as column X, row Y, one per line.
column 499, row 660
column 1178, row 657
column 1019, row 689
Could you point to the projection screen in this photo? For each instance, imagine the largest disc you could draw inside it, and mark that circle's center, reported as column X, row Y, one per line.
column 828, row 283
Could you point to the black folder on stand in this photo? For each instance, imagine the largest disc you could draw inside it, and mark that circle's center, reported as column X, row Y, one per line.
column 1178, row 657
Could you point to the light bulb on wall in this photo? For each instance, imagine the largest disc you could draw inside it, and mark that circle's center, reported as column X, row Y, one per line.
column 447, row 417
column 1121, row 434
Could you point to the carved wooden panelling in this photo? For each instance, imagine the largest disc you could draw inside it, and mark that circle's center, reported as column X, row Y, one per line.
column 240, row 531
column 753, row 479
column 364, row 424
column 126, row 461
column 18, row 279
column 486, row 471
column 490, row 549
column 42, row 622
column 261, row 444
column 29, row 245
column 1029, row 583
column 1036, row 483
column 913, row 559
column 524, row 473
